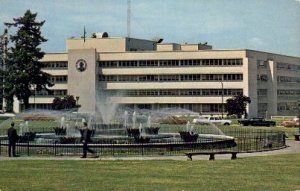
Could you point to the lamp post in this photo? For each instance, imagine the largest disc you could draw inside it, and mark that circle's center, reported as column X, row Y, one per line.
column 77, row 98
column 222, row 108
column 34, row 98
column 299, row 115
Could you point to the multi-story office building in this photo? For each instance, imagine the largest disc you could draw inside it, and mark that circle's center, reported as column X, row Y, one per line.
column 149, row 74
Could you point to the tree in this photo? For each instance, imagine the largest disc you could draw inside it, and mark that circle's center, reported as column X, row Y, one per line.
column 23, row 71
column 237, row 105
column 68, row 102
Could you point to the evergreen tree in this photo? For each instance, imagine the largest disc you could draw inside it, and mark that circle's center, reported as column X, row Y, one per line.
column 23, row 69
column 237, row 105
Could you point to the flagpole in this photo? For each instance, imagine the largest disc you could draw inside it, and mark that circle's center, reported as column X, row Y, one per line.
column 84, row 33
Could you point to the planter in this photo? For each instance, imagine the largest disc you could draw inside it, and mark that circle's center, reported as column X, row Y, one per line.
column 188, row 137
column 59, row 131
column 133, row 132
column 152, row 130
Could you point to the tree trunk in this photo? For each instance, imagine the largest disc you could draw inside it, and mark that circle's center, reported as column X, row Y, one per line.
column 246, row 114
column 26, row 103
column 9, row 104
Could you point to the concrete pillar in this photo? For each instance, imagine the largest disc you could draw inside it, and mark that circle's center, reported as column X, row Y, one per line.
column 272, row 89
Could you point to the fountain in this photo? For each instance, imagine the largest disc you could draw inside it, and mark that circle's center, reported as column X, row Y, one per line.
column 130, row 128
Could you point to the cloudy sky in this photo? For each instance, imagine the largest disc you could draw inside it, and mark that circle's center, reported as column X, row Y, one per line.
column 266, row 25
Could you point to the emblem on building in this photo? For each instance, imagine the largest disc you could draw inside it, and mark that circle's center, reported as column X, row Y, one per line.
column 81, row 65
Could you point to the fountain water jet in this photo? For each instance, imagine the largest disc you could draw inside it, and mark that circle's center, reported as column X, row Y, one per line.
column 26, row 128
column 125, row 119
column 187, row 126
column 105, row 107
column 149, row 121
column 21, row 129
column 133, row 119
column 62, row 122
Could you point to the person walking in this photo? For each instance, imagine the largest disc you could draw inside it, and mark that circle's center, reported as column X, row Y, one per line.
column 85, row 139
column 12, row 139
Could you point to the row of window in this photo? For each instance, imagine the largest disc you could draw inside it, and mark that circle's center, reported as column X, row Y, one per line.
column 287, row 106
column 187, row 92
column 171, row 63
column 59, row 79
column 289, row 92
column 286, row 66
column 54, row 93
column 40, row 106
column 279, row 65
column 287, row 79
column 162, row 78
column 199, row 108
column 280, row 92
column 56, row 65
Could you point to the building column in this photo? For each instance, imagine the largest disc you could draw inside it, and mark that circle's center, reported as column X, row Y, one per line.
column 272, row 89
column 250, row 85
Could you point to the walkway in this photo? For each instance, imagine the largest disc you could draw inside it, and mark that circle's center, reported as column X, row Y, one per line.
column 293, row 147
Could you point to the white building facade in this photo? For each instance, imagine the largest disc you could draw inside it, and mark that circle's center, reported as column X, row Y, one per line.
column 146, row 74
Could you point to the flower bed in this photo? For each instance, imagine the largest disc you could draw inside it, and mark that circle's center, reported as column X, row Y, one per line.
column 38, row 118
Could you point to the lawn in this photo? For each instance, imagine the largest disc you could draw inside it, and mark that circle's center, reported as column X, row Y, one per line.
column 280, row 172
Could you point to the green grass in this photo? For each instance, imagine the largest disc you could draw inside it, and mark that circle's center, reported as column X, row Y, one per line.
column 280, row 172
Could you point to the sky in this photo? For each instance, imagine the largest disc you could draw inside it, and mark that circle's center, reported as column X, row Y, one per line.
column 265, row 25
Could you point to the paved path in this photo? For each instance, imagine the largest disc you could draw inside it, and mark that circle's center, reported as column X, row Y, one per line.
column 293, row 147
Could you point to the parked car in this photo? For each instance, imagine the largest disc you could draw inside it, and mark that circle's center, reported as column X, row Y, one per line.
column 203, row 119
column 257, row 122
column 291, row 123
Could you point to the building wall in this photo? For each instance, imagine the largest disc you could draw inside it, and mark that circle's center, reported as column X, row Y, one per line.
column 168, row 47
column 111, row 44
column 100, row 44
column 270, row 80
column 268, row 72
column 83, row 84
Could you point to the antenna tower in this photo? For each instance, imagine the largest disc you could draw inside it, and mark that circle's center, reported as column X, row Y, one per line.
column 128, row 18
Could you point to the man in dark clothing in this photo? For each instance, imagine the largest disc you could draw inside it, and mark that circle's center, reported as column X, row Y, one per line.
column 12, row 139
column 85, row 139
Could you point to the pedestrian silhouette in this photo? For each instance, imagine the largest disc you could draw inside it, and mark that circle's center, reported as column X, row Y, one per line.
column 86, row 139
column 12, row 139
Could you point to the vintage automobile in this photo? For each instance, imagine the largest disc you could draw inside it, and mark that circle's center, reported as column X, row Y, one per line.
column 291, row 123
column 210, row 119
column 257, row 122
